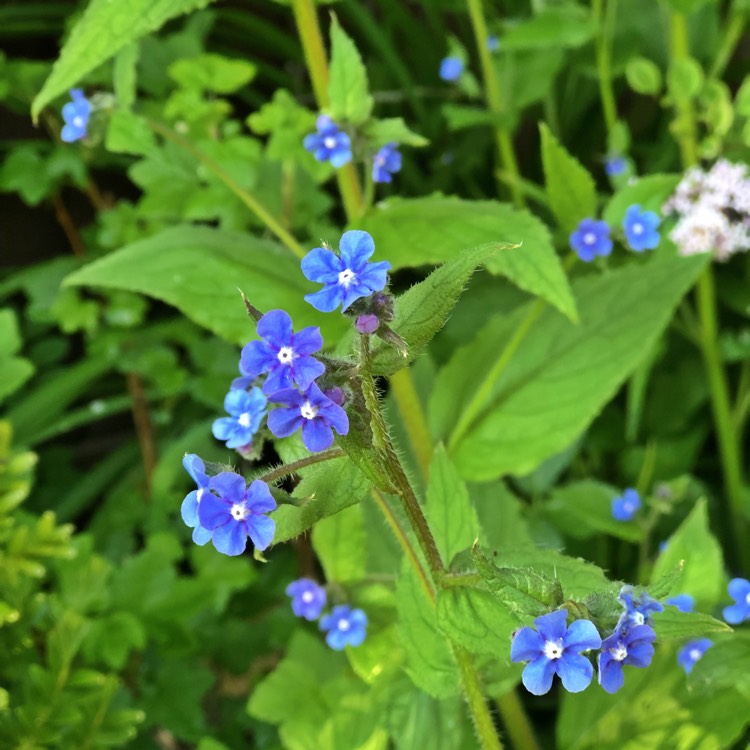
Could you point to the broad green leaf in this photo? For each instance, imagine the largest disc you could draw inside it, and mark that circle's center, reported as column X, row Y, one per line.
column 348, row 93
column 429, row 661
column 460, row 116
column 500, row 514
column 325, row 490
column 14, row 372
column 341, row 545
column 571, row 189
column 392, row 130
column 124, row 75
column 210, row 72
column 562, row 374
column 703, row 571
column 671, row 624
column 449, row 510
column 408, row 233
column 422, row 310
column 199, row 270
column 649, row 192
column 724, row 665
column 129, row 134
column 566, row 26
column 643, row 76
column 379, row 657
column 103, row 30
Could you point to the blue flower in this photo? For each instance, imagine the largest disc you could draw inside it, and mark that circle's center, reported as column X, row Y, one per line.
column 329, row 143
column 345, row 627
column 493, row 43
column 76, row 114
column 308, row 598
column 386, row 163
column 313, row 411
column 591, row 238
column 347, row 277
column 641, row 229
column 625, row 646
column 692, row 652
column 189, row 511
column 638, row 607
column 237, row 512
column 626, row 505
column 451, row 68
column 683, row 602
column 615, row 165
column 246, row 410
column 283, row 354
column 555, row 649
column 739, row 590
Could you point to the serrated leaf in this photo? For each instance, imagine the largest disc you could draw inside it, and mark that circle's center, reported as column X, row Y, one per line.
column 672, row 624
column 570, row 187
column 102, row 31
column 211, row 72
column 348, row 93
column 649, row 192
column 392, row 130
column 129, row 134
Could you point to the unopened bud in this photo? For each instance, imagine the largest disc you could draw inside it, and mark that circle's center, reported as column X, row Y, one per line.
column 367, row 324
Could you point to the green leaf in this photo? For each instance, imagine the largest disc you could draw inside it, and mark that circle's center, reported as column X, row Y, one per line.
column 14, row 371
column 124, row 75
column 649, row 192
column 685, row 78
column 211, row 72
column 671, row 624
column 103, row 30
column 199, row 270
column 326, row 489
column 406, row 232
column 422, row 311
column 643, row 76
column 449, row 510
column 566, row 26
column 341, row 545
column 348, row 93
column 392, row 130
column 561, row 376
column 460, row 116
column 724, row 665
column 571, row 189
column 129, row 134
column 703, row 569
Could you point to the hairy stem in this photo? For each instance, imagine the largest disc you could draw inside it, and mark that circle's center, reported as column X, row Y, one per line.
column 516, row 722
column 292, row 468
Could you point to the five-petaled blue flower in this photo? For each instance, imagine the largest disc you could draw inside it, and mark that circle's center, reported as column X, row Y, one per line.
column 493, row 43
column 76, row 114
column 632, row 646
column 308, row 598
column 313, row 411
column 739, row 590
column 692, row 652
column 638, row 607
column 348, row 276
column 626, row 505
column 283, row 354
column 246, row 410
column 386, row 163
column 197, row 470
column 591, row 238
column 615, row 165
column 345, row 627
column 451, row 68
column 683, row 602
column 238, row 512
column 555, row 649
column 641, row 229
column 330, row 143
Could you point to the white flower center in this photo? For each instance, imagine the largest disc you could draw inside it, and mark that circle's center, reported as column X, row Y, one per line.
column 346, row 277
column 638, row 618
column 307, row 597
column 329, row 142
column 343, row 624
column 553, row 649
column 619, row 652
column 285, row 355
column 244, row 419
column 78, row 121
column 629, row 507
column 638, row 228
column 379, row 160
column 589, row 238
column 308, row 411
column 694, row 654
column 199, row 495
column 239, row 512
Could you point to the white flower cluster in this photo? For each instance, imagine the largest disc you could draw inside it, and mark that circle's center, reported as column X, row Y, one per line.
column 713, row 209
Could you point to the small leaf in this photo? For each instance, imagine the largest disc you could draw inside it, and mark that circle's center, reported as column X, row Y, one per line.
column 392, row 130
column 643, row 76
column 685, row 78
column 129, row 134
column 348, row 92
column 671, row 624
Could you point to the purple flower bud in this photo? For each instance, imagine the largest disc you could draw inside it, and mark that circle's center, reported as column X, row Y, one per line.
column 336, row 395
column 367, row 324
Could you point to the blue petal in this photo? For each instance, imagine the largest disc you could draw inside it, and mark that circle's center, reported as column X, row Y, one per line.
column 739, row 589
column 340, row 156
column 213, row 512
column 231, row 538
column 276, row 327
column 336, row 640
column 259, row 498
column 201, row 536
column 358, row 618
column 736, row 613
column 230, row 486
column 224, row 428
column 236, row 403
column 357, row 636
column 308, row 340
column 69, row 134
column 327, row 299
column 261, row 530
column 611, row 677
column 69, row 111
column 312, row 142
column 640, row 654
column 336, row 417
column 306, row 370
column 375, row 275
column 316, row 435
column 527, row 645
column 552, row 626
column 256, row 358
column 279, row 379
column 326, row 622
column 356, row 247
column 322, row 265
column 189, row 509
column 288, row 397
column 538, row 674
column 196, row 468
column 575, row 672
column 284, row 422
column 582, row 635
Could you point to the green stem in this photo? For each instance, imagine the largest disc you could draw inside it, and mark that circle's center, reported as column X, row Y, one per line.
column 292, row 468
column 516, row 722
column 480, row 712
column 602, row 22
column 685, row 121
column 729, row 40
column 247, row 198
column 306, row 19
column 494, row 99
column 415, row 422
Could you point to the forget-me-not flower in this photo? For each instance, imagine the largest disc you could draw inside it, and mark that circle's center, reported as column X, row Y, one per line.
column 308, row 598
column 614, row 165
column 386, row 163
column 692, row 652
column 344, row 626
column 739, row 590
column 638, row 606
column 330, row 143
column 632, row 646
column 641, row 229
column 246, row 410
column 590, row 239
column 76, row 115
column 626, row 505
column 313, row 411
column 237, row 512
column 346, row 277
column 189, row 511
column 451, row 68
column 283, row 354
column 683, row 602
column 493, row 43
column 553, row 649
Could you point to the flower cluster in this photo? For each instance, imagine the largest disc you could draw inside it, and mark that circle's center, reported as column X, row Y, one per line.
column 344, row 625
column 76, row 115
column 713, row 210
column 553, row 647
column 626, row 505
